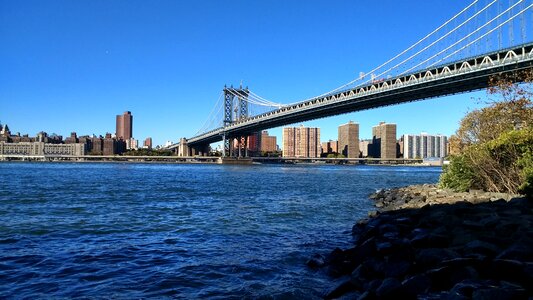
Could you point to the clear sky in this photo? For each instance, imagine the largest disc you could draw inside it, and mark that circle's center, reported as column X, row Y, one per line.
column 74, row 65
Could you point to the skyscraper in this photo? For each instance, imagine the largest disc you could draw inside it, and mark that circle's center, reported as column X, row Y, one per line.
column 301, row 142
column 383, row 141
column 268, row 143
column 424, row 146
column 148, row 143
column 349, row 140
column 124, row 126
column 330, row 147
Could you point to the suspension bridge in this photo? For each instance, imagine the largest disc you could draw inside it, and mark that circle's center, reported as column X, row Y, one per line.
column 484, row 39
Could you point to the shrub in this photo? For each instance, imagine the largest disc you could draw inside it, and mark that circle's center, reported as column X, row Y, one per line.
column 458, row 175
column 504, row 164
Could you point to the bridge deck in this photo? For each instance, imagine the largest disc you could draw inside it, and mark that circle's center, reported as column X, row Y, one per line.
column 458, row 77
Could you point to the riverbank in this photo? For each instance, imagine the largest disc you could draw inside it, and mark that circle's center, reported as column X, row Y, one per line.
column 214, row 159
column 429, row 243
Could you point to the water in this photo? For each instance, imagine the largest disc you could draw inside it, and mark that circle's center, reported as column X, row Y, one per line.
column 179, row 231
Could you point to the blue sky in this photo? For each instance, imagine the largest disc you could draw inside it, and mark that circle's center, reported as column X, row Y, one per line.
column 73, row 65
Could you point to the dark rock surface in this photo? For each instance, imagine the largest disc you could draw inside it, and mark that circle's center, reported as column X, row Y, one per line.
column 428, row 243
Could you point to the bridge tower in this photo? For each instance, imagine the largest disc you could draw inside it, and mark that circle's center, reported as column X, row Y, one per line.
column 235, row 109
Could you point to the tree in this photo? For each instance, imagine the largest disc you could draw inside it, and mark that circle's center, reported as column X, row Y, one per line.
column 493, row 147
column 509, row 107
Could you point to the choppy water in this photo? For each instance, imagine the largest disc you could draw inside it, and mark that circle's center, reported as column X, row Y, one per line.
column 182, row 231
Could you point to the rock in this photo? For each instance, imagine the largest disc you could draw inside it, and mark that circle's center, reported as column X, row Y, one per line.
column 340, row 290
column 395, row 269
column 431, row 257
column 425, row 240
column 517, row 252
column 317, row 261
column 466, row 288
column 480, row 247
column 373, row 285
column 384, row 228
column 373, row 214
column 389, row 288
column 490, row 293
column 416, row 285
column 339, row 263
column 473, row 225
column 504, row 269
column 489, row 221
column 440, row 278
column 442, row 247
column 384, row 248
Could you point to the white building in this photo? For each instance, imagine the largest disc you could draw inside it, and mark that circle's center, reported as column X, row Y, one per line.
column 424, row 146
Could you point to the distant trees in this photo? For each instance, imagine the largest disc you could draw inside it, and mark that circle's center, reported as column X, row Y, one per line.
column 335, row 155
column 493, row 147
column 148, row 152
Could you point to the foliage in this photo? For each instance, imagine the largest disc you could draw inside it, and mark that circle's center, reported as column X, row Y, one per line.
column 504, row 164
column 335, row 155
column 493, row 148
column 148, row 152
column 458, row 175
column 510, row 107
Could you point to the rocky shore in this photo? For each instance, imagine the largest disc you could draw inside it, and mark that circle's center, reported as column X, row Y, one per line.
column 428, row 243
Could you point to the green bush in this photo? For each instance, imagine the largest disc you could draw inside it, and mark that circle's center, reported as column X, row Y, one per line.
column 504, row 164
column 458, row 175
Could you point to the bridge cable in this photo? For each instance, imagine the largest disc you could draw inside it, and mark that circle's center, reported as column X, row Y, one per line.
column 210, row 116
column 403, row 52
column 489, row 32
column 395, row 57
column 433, row 43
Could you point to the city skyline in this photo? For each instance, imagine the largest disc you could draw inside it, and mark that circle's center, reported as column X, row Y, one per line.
column 169, row 76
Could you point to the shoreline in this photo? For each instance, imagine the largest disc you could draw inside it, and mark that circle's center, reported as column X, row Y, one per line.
column 211, row 160
column 426, row 242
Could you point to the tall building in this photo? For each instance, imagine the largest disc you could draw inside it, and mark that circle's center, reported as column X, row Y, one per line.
column 72, row 139
column 148, row 143
column 254, row 143
column 330, row 147
column 124, row 126
column 349, row 140
column 301, row 142
column 383, row 141
column 425, row 146
column 268, row 143
column 364, row 145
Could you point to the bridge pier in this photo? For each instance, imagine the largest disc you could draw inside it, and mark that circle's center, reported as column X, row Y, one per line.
column 183, row 148
column 200, row 150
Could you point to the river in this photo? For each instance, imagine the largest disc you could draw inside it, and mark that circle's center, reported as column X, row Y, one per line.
column 124, row 230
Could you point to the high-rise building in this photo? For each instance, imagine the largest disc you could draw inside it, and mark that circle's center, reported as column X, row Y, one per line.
column 73, row 139
column 364, row 146
column 132, row 144
column 330, row 147
column 124, row 126
column 425, row 146
column 148, row 143
column 253, row 143
column 301, row 142
column 349, row 140
column 268, row 143
column 383, row 141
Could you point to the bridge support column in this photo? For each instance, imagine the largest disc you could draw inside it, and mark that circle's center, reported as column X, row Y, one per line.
column 183, row 148
column 200, row 150
column 239, row 145
column 246, row 146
